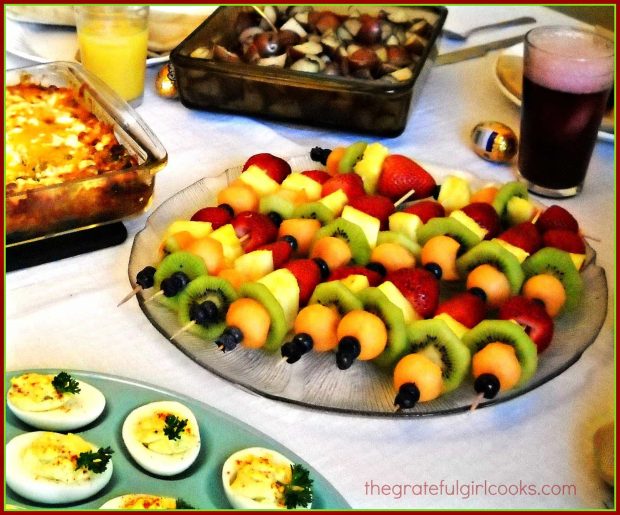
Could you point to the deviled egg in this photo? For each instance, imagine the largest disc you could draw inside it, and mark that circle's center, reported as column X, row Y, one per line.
column 162, row 437
column 257, row 479
column 53, row 468
column 54, row 402
column 145, row 502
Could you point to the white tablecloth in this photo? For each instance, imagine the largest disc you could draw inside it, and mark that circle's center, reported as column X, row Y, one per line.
column 64, row 315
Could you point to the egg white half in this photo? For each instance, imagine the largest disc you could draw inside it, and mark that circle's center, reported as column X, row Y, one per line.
column 156, row 463
column 124, row 502
column 80, row 410
column 229, row 471
column 46, row 491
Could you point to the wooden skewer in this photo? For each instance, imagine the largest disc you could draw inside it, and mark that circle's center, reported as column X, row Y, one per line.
column 587, row 236
column 191, row 323
column 404, row 197
column 264, row 17
column 244, row 238
column 536, row 216
column 477, row 401
column 133, row 292
column 281, row 361
column 221, row 347
column 154, row 296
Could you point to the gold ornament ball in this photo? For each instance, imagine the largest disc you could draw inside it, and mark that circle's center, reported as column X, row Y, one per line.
column 164, row 82
column 494, row 142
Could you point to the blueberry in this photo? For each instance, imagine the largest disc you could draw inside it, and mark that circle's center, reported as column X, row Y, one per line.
column 323, row 267
column 146, row 277
column 408, row 395
column 487, row 385
column 291, row 240
column 434, row 269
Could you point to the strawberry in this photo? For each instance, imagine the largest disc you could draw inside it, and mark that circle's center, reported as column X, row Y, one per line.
column 350, row 183
column 485, row 216
column 564, row 239
column 532, row 315
column 375, row 205
column 524, row 235
column 426, row 209
column 465, row 307
column 374, row 278
column 319, row 176
column 419, row 286
column 275, row 167
column 400, row 174
column 217, row 216
column 281, row 251
column 308, row 275
column 556, row 217
column 259, row 227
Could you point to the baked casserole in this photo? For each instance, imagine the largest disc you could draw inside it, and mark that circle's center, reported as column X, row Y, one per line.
column 69, row 163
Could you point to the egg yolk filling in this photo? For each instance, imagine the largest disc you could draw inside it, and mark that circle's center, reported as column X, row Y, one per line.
column 54, row 456
column 35, row 392
column 149, row 431
column 261, row 479
column 148, row 502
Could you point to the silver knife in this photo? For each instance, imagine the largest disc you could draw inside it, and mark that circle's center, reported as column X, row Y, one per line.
column 476, row 51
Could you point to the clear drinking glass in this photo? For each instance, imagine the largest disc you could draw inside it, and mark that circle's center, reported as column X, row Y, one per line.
column 113, row 42
column 567, row 76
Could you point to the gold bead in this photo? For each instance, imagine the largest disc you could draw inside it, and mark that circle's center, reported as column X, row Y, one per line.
column 164, row 82
column 494, row 141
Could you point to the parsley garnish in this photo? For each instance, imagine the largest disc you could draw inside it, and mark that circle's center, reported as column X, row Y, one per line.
column 174, row 427
column 298, row 493
column 182, row 505
column 64, row 383
column 95, row 461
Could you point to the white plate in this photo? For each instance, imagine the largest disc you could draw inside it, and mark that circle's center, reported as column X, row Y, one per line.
column 517, row 50
column 46, row 43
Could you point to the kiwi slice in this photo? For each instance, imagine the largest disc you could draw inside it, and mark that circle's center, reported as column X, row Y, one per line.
column 336, row 294
column 436, row 341
column 377, row 303
column 314, row 210
column 352, row 235
column 277, row 327
column 190, row 264
column 558, row 263
column 276, row 204
column 400, row 239
column 202, row 289
column 449, row 227
column 505, row 193
column 505, row 331
column 351, row 155
column 492, row 253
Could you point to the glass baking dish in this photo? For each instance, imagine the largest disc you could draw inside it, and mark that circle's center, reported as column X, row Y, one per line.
column 83, row 203
column 359, row 105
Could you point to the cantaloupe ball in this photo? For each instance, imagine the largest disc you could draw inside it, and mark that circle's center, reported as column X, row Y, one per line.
column 303, row 230
column 321, row 323
column 492, row 281
column 240, row 197
column 252, row 319
column 334, row 251
column 548, row 289
column 421, row 371
column 498, row 359
column 442, row 251
column 392, row 256
column 369, row 330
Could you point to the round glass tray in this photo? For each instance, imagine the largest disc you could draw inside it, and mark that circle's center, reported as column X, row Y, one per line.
column 315, row 381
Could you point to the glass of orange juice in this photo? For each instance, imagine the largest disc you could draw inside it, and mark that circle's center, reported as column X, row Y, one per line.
column 113, row 41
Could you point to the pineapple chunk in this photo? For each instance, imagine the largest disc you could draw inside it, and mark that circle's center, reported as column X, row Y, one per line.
column 259, row 181
column 369, row 224
column 517, row 252
column 454, row 193
column 283, row 286
column 355, row 282
column 369, row 167
column 299, row 182
column 470, row 223
column 455, row 326
column 197, row 229
column 255, row 265
column 231, row 245
column 335, row 201
column 399, row 300
column 578, row 259
column 406, row 224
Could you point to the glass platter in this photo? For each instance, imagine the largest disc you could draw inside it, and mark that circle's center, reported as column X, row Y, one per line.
column 314, row 381
column 200, row 485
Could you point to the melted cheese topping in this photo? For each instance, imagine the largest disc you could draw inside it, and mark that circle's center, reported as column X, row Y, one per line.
column 51, row 138
column 54, row 456
column 147, row 502
column 35, row 392
column 149, row 431
column 261, row 479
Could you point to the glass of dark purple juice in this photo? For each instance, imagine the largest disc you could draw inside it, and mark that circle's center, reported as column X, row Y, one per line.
column 567, row 76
